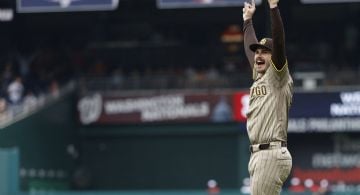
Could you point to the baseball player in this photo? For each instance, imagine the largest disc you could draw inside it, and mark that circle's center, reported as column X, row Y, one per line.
column 270, row 99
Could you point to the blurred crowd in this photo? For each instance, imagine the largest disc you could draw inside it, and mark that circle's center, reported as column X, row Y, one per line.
column 28, row 77
column 27, row 80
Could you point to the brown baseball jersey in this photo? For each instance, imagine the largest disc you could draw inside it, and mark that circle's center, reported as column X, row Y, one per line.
column 270, row 99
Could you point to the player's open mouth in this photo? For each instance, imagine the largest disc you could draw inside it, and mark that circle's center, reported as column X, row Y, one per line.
column 260, row 62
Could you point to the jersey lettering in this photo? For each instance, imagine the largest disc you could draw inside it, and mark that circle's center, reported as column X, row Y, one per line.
column 258, row 91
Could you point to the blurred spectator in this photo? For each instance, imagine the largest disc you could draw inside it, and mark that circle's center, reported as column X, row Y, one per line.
column 24, row 61
column 245, row 188
column 324, row 187
column 213, row 188
column 296, row 186
column 15, row 91
column 311, row 186
column 190, row 73
column 117, row 78
column 212, row 73
column 7, row 74
column 229, row 66
column 54, row 88
column 30, row 101
column 4, row 115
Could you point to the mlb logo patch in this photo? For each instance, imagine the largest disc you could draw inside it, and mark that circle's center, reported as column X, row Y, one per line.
column 26, row 6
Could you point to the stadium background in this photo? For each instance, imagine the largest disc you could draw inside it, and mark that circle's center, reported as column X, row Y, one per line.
column 58, row 138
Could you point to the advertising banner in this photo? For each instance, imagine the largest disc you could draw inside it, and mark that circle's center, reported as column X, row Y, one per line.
column 325, row 112
column 26, row 6
column 157, row 108
column 310, row 112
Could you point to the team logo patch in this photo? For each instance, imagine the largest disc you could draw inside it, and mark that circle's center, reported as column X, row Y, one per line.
column 90, row 108
column 263, row 41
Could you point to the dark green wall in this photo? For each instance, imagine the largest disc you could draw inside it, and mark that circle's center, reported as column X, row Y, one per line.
column 175, row 156
column 42, row 139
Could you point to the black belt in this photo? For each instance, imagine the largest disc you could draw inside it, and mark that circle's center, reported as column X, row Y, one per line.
column 265, row 146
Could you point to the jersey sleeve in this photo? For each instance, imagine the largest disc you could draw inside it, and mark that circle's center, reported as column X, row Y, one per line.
column 278, row 35
column 249, row 38
column 278, row 77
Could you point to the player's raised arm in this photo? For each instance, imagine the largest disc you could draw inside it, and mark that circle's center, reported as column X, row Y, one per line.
column 277, row 28
column 249, row 32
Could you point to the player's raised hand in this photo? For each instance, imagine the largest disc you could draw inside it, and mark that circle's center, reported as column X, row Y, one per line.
column 249, row 10
column 273, row 3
